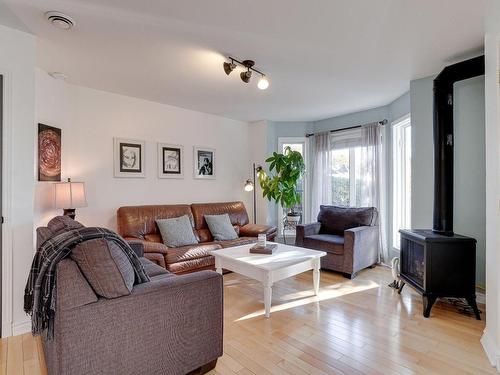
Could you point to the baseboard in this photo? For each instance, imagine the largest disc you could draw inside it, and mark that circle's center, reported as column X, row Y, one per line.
column 21, row 327
column 491, row 350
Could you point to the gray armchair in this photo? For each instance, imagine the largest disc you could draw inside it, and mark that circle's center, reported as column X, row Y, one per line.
column 349, row 236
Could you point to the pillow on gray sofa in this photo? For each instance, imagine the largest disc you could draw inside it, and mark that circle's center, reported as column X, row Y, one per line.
column 221, row 228
column 105, row 266
column 177, row 231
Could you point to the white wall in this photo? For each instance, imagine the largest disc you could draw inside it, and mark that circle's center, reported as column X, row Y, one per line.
column 491, row 336
column 17, row 61
column 90, row 119
column 258, row 154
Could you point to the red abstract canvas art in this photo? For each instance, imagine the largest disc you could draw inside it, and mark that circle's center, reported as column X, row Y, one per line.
column 49, row 153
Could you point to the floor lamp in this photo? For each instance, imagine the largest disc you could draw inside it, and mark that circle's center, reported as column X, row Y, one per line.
column 250, row 186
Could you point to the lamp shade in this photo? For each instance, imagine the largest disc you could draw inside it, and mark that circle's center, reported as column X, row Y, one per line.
column 70, row 194
column 248, row 185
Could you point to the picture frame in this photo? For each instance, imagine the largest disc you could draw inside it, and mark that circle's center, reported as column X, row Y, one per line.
column 129, row 158
column 204, row 163
column 170, row 161
column 49, row 153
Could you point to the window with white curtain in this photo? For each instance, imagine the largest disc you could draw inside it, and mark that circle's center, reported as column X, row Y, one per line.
column 346, row 155
column 401, row 178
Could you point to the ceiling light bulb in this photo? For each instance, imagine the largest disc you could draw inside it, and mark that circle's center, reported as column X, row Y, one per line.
column 263, row 83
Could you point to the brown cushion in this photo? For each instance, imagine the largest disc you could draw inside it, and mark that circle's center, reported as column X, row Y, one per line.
column 237, row 242
column 335, row 220
column 184, row 253
column 105, row 266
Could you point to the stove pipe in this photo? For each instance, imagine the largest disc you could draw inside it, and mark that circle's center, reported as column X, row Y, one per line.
column 443, row 139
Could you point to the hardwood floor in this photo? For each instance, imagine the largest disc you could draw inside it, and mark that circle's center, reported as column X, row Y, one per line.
column 358, row 326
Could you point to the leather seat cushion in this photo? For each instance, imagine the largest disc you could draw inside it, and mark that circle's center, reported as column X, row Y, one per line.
column 237, row 242
column 330, row 243
column 205, row 263
column 190, row 252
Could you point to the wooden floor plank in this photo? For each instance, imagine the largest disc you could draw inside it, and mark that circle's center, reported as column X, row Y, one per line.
column 354, row 327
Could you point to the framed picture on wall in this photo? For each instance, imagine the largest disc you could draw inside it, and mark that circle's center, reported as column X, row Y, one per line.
column 204, row 162
column 170, row 161
column 49, row 153
column 129, row 158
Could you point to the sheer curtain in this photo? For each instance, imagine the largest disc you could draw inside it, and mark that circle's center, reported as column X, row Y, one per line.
column 372, row 174
column 322, row 180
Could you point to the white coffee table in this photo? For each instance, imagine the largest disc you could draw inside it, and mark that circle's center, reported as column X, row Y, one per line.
column 286, row 261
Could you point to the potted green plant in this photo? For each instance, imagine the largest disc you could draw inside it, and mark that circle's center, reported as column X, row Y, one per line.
column 285, row 171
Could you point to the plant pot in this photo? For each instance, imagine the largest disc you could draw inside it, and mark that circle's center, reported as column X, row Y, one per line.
column 293, row 218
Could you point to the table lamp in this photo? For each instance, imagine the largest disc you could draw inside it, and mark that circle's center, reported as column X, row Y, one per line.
column 69, row 196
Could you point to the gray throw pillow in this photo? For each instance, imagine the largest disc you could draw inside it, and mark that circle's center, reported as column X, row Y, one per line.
column 105, row 266
column 177, row 232
column 221, row 228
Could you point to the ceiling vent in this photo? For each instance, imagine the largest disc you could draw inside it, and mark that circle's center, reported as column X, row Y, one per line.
column 60, row 20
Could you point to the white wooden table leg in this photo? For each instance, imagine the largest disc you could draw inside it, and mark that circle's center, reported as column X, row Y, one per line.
column 316, row 276
column 268, row 296
column 218, row 266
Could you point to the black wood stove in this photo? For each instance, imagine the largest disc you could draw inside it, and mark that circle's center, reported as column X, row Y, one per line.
column 439, row 263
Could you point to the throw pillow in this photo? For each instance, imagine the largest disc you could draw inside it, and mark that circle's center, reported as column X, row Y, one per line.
column 177, row 232
column 105, row 266
column 221, row 228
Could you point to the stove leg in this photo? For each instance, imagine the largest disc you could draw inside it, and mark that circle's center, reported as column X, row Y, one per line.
column 473, row 304
column 401, row 285
column 428, row 302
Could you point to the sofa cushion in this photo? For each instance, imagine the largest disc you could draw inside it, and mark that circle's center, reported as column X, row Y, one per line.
column 184, row 253
column 73, row 290
column 330, row 243
column 237, row 242
column 152, row 269
column 221, row 228
column 335, row 220
column 57, row 225
column 205, row 263
column 105, row 266
column 177, row 232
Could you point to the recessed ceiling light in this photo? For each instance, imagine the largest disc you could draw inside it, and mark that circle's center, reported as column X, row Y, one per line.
column 58, row 75
column 60, row 20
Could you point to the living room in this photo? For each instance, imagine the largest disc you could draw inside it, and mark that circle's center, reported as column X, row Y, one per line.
column 346, row 88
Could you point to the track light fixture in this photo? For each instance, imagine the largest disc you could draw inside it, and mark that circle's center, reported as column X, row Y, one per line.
column 246, row 75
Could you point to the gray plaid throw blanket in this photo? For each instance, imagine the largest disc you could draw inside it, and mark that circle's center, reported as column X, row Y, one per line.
column 39, row 294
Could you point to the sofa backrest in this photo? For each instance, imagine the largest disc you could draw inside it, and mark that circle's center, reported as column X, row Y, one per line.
column 335, row 220
column 140, row 221
column 236, row 211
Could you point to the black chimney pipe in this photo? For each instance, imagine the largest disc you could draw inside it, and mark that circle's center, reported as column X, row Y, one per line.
column 443, row 139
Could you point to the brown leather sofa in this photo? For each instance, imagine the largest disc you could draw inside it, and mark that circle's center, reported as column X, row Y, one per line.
column 348, row 235
column 139, row 223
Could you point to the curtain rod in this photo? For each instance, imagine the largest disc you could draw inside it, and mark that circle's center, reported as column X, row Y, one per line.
column 383, row 122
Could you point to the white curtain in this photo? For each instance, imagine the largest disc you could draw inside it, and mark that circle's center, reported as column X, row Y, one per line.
column 322, row 180
column 372, row 174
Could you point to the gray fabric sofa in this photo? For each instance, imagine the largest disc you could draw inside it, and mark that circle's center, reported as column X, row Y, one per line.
column 170, row 325
column 349, row 236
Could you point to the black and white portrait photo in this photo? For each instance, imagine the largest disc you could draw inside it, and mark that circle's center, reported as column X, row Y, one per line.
column 170, row 161
column 204, row 163
column 129, row 158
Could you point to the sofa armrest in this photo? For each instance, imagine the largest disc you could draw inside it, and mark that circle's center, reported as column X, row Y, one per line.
column 253, row 230
column 304, row 230
column 177, row 319
column 149, row 247
column 361, row 247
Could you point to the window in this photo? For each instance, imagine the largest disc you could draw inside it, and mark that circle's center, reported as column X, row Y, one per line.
column 401, row 178
column 346, row 175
